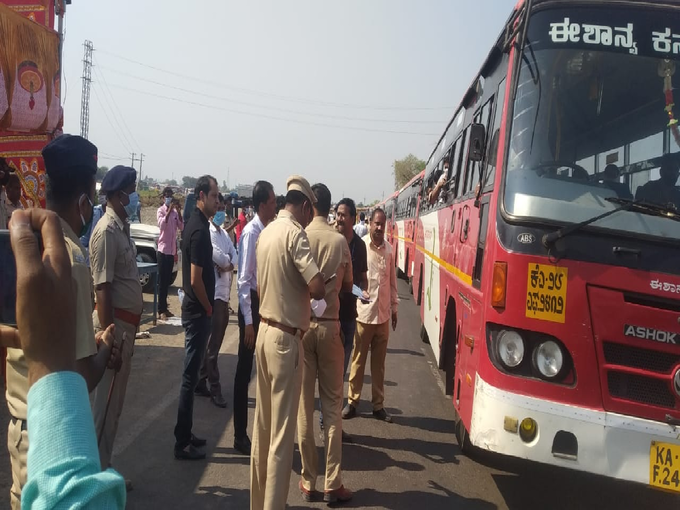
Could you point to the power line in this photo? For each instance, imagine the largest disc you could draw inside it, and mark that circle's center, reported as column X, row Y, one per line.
column 113, row 99
column 115, row 131
column 113, row 114
column 276, row 96
column 283, row 110
column 272, row 117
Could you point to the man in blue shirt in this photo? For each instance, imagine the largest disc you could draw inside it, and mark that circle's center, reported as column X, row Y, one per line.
column 63, row 461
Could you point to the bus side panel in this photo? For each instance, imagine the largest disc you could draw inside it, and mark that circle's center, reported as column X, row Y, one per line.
column 431, row 306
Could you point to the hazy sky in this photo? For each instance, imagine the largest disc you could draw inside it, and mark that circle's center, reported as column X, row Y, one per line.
column 251, row 89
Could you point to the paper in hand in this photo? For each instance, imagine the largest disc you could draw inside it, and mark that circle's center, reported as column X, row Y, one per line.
column 356, row 291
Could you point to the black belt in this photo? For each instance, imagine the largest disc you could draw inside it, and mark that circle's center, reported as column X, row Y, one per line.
column 323, row 319
column 23, row 423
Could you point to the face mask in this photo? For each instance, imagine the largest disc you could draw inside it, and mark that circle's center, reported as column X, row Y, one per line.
column 86, row 224
column 219, row 218
column 168, row 201
column 131, row 208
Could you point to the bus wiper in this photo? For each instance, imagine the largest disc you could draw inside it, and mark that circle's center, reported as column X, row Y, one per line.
column 624, row 204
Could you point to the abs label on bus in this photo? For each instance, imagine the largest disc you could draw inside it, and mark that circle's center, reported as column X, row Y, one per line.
column 546, row 292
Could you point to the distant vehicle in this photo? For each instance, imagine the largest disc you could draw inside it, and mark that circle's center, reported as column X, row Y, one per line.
column 145, row 238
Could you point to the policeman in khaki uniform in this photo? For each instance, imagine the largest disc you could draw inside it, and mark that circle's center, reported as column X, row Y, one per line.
column 119, row 296
column 287, row 276
column 324, row 355
column 71, row 165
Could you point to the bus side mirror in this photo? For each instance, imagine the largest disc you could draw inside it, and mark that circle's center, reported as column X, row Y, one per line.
column 477, row 139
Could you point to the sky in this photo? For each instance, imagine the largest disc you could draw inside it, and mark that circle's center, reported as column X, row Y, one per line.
column 252, row 89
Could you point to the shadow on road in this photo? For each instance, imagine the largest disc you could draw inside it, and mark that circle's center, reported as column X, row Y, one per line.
column 356, row 457
column 405, row 351
column 437, row 452
column 413, row 499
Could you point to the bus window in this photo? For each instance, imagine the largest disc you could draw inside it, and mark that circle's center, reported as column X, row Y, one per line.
column 571, row 105
column 492, row 147
column 462, row 163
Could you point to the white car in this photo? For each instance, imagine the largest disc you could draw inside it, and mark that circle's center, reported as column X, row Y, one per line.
column 145, row 238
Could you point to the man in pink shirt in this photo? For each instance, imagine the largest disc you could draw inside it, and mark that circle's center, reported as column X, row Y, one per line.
column 169, row 218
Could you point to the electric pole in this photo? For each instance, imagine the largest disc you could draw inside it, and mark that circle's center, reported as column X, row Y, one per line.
column 85, row 96
column 133, row 160
column 141, row 160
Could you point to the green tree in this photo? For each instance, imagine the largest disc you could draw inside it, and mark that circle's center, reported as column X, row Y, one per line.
column 101, row 172
column 405, row 169
column 171, row 182
column 189, row 182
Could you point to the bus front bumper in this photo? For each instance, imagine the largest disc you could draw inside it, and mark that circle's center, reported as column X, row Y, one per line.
column 588, row 440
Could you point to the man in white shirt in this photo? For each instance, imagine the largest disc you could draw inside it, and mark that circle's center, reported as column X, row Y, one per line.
column 264, row 202
column 360, row 228
column 373, row 321
column 224, row 256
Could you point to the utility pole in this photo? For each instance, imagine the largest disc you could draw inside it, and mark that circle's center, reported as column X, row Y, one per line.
column 141, row 160
column 133, row 160
column 85, row 96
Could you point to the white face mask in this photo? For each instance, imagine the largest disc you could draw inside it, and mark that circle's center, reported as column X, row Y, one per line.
column 168, row 201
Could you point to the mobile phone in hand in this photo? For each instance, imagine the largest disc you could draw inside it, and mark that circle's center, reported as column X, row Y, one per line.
column 8, row 280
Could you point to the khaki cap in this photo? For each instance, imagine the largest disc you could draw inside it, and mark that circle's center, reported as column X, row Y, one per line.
column 299, row 183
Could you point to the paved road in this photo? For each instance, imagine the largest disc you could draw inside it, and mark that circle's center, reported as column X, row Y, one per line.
column 409, row 464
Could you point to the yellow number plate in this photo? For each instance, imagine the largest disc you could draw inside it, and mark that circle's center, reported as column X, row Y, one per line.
column 546, row 292
column 664, row 466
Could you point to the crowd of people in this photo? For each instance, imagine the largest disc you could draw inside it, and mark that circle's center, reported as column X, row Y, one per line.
column 313, row 296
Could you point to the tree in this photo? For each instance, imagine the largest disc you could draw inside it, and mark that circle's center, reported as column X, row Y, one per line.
column 171, row 182
column 405, row 169
column 101, row 172
column 189, row 182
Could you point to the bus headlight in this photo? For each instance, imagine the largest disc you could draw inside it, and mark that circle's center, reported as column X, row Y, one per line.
column 548, row 359
column 510, row 348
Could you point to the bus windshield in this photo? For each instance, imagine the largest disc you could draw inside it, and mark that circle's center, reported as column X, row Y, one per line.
column 594, row 118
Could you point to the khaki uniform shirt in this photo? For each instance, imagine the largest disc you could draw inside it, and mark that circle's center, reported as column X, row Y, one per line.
column 86, row 346
column 382, row 285
column 285, row 267
column 331, row 253
column 113, row 259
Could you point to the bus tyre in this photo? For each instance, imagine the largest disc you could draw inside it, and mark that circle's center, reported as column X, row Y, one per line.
column 410, row 285
column 423, row 335
column 462, row 436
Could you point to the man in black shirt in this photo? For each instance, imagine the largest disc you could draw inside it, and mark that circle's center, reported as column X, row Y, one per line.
column 346, row 215
column 198, row 282
column 345, row 218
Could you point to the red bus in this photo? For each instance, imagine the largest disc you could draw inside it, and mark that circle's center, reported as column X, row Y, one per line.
column 547, row 272
column 407, row 204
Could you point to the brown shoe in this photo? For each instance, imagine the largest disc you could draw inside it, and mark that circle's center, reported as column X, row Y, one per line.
column 307, row 495
column 341, row 495
column 169, row 314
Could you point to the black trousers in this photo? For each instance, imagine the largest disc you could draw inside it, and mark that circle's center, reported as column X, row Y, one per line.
column 165, row 264
column 244, row 368
column 197, row 331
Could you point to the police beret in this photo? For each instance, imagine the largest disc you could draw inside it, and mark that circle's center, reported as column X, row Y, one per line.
column 299, row 183
column 118, row 178
column 67, row 153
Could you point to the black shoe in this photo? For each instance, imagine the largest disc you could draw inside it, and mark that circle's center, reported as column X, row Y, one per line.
column 202, row 390
column 242, row 445
column 219, row 401
column 382, row 416
column 349, row 412
column 189, row 452
column 197, row 442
